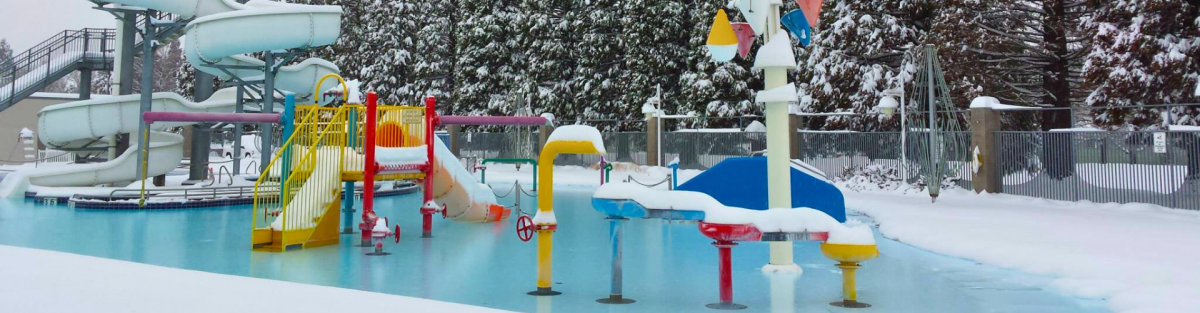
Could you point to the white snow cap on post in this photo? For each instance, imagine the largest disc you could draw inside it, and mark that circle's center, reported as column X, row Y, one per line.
column 776, row 53
column 992, row 103
column 785, row 93
column 549, row 118
column 578, row 133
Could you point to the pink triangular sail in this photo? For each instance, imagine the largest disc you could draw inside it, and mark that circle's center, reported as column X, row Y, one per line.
column 812, row 10
column 745, row 36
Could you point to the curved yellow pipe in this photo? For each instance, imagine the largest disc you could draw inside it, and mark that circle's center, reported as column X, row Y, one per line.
column 546, row 201
column 345, row 89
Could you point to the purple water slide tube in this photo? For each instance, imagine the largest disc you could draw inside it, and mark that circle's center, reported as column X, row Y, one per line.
column 151, row 117
column 493, row 120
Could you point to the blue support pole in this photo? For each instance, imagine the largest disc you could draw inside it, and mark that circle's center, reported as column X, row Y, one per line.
column 615, row 295
column 289, row 125
column 674, row 175
column 348, row 198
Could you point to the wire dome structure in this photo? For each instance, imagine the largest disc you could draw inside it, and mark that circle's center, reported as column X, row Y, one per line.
column 936, row 127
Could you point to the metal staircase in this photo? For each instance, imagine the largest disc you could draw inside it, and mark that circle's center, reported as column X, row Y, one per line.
column 71, row 50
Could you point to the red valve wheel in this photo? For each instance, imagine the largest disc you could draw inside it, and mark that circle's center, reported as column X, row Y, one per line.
column 525, row 228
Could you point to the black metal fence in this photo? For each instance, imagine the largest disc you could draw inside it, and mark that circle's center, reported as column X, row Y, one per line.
column 1161, row 168
column 841, row 155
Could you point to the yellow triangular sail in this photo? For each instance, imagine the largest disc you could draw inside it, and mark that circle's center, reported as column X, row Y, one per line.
column 722, row 31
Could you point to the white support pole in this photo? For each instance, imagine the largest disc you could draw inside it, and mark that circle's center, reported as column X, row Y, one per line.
column 779, row 184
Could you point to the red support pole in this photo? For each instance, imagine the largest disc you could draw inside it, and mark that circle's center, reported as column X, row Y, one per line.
column 726, row 276
column 428, row 208
column 369, row 165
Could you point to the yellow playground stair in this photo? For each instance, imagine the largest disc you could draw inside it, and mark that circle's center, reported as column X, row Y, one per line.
column 297, row 198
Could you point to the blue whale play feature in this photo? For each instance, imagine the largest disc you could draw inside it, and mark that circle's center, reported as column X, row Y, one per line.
column 742, row 182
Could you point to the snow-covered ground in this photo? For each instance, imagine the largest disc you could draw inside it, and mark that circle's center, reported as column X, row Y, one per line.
column 1139, row 257
column 48, row 281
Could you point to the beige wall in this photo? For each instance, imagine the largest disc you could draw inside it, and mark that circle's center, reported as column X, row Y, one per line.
column 21, row 115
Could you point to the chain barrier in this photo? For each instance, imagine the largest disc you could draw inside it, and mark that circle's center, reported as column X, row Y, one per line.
column 630, row 179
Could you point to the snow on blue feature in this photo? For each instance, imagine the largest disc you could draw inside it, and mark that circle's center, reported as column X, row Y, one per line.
column 742, row 182
column 798, row 25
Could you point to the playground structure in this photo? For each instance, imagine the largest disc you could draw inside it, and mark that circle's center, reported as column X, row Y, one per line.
column 329, row 149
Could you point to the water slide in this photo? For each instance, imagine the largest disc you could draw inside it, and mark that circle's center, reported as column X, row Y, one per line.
column 221, row 33
column 465, row 198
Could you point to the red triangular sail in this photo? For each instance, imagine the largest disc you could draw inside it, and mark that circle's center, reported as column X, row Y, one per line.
column 745, row 36
column 812, row 10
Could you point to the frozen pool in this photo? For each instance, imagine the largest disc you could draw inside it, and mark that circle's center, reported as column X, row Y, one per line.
column 669, row 267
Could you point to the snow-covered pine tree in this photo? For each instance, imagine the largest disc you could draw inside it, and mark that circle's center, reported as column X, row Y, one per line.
column 547, row 31
column 1144, row 52
column 716, row 89
column 656, row 36
column 858, row 53
column 955, row 32
column 6, row 54
column 433, row 59
column 388, row 39
column 600, row 69
column 1041, row 54
column 486, row 57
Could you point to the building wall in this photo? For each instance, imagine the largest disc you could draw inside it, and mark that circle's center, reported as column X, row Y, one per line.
column 23, row 115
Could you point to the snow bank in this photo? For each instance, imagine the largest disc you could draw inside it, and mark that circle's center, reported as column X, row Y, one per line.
column 773, row 220
column 756, row 127
column 1139, row 257
column 60, row 282
column 578, row 133
column 25, row 133
column 397, row 156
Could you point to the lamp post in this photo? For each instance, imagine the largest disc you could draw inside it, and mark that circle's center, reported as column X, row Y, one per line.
column 887, row 105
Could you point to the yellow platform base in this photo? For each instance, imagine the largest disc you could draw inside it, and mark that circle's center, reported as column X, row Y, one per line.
column 326, row 232
column 849, row 253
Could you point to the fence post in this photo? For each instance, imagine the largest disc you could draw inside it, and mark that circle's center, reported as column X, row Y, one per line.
column 543, row 135
column 984, row 124
column 652, row 152
column 455, row 145
column 794, row 122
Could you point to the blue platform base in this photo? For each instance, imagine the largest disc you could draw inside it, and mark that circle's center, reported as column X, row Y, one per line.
column 742, row 182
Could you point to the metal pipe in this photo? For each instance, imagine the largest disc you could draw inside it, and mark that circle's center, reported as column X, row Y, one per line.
column 348, row 188
column 427, row 206
column 268, row 98
column 493, row 120
column 368, row 215
column 237, row 132
column 203, row 117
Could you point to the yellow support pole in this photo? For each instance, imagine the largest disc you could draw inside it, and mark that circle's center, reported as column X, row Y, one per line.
column 545, row 189
column 848, row 257
column 849, row 290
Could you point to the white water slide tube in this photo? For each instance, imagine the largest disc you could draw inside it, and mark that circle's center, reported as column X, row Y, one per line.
column 465, row 198
column 224, row 30
column 74, row 124
column 221, row 32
